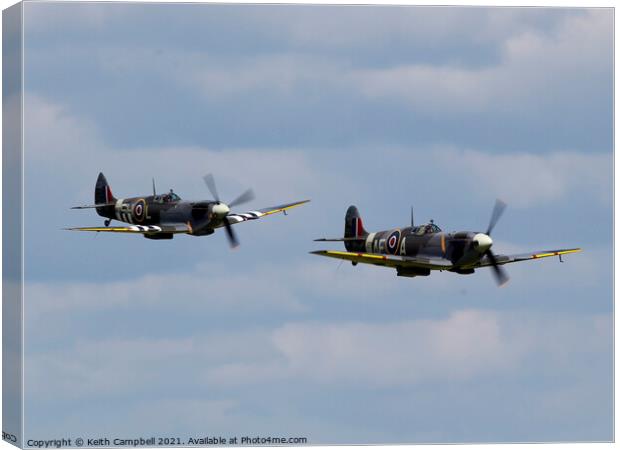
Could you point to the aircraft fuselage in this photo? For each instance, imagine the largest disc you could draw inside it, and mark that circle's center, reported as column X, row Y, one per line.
column 155, row 210
column 463, row 248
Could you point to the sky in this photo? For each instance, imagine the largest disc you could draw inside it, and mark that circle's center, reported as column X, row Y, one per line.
column 442, row 109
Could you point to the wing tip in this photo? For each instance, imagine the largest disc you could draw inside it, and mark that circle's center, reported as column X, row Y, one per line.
column 293, row 204
column 81, row 229
column 280, row 208
column 299, row 203
column 564, row 251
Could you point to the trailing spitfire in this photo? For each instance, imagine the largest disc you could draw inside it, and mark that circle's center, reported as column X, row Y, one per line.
column 417, row 250
column 162, row 216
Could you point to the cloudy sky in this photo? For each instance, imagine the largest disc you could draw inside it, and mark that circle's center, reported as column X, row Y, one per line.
column 442, row 109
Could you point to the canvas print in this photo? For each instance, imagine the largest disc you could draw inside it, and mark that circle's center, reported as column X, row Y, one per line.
column 252, row 224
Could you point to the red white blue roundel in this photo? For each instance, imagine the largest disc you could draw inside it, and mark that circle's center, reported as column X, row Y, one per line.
column 392, row 242
column 139, row 210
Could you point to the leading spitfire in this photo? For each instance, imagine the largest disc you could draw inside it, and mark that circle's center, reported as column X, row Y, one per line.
column 416, row 250
column 162, row 216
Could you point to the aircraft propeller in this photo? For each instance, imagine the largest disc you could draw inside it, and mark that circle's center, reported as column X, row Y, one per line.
column 498, row 210
column 501, row 277
column 222, row 209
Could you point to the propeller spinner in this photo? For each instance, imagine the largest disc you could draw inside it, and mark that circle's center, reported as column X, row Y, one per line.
column 221, row 210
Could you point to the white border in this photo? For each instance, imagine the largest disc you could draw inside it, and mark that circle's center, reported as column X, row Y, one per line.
column 548, row 3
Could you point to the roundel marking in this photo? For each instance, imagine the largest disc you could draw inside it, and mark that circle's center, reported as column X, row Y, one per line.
column 138, row 210
column 392, row 242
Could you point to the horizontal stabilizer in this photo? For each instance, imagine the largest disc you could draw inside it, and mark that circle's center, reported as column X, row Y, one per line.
column 343, row 239
column 98, row 205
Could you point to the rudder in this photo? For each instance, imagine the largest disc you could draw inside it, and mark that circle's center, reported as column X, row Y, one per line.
column 103, row 195
column 353, row 226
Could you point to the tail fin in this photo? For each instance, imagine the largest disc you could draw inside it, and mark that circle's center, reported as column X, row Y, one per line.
column 103, row 195
column 353, row 226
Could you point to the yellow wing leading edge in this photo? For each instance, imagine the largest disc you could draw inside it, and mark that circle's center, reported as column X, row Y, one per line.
column 388, row 260
column 140, row 229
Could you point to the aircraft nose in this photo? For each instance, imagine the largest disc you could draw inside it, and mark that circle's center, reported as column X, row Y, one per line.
column 221, row 209
column 482, row 242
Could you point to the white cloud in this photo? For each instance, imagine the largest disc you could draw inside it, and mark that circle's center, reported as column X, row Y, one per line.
column 466, row 345
column 94, row 368
column 172, row 415
column 535, row 68
column 372, row 27
column 430, row 88
column 280, row 73
column 212, row 289
column 51, row 132
column 523, row 179
column 208, row 287
column 527, row 179
column 462, row 346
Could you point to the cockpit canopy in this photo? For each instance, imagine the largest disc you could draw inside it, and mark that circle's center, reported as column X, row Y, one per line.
column 428, row 228
column 173, row 197
column 170, row 197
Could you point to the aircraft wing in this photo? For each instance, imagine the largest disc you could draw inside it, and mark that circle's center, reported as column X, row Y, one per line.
column 141, row 229
column 506, row 259
column 388, row 260
column 253, row 215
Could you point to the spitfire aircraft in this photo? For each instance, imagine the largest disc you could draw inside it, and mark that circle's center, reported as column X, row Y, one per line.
column 417, row 250
column 162, row 216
